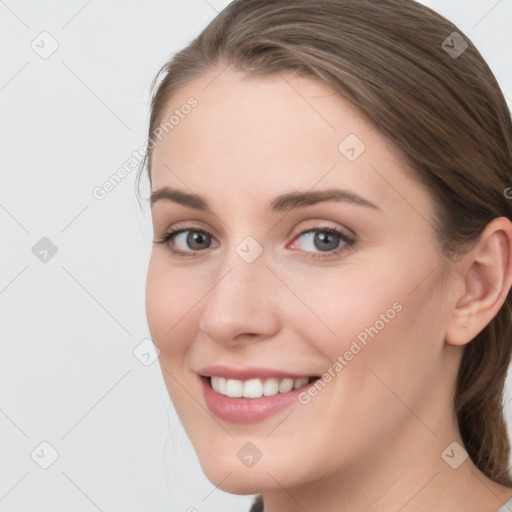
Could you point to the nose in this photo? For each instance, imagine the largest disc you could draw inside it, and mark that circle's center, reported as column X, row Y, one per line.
column 242, row 304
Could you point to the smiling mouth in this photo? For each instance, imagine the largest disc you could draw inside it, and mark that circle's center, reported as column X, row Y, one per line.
column 256, row 388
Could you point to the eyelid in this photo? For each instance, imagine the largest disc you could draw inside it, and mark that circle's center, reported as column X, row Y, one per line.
column 320, row 225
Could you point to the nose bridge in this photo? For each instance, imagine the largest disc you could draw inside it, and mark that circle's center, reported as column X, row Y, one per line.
column 243, row 266
column 240, row 301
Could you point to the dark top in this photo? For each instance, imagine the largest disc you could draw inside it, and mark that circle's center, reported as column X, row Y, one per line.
column 257, row 505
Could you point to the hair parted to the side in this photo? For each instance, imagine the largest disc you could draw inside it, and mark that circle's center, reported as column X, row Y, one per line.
column 448, row 116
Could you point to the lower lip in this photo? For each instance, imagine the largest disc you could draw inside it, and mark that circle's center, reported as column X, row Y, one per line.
column 247, row 410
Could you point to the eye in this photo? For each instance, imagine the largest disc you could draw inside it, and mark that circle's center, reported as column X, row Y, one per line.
column 327, row 240
column 196, row 240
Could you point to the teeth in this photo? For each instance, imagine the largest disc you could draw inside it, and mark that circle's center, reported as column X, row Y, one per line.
column 298, row 383
column 270, row 387
column 234, row 388
column 255, row 388
column 286, row 385
column 252, row 388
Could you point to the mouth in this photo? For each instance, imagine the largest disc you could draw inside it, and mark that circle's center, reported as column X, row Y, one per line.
column 256, row 387
column 248, row 395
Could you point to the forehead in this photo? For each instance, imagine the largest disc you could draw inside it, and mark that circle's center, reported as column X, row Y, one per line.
column 279, row 130
column 252, row 112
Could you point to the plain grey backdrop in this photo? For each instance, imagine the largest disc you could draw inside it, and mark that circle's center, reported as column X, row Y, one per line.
column 85, row 420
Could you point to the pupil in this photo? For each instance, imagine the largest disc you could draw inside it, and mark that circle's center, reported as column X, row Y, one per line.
column 324, row 239
column 194, row 238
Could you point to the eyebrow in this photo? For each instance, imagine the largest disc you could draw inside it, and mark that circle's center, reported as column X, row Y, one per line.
column 282, row 203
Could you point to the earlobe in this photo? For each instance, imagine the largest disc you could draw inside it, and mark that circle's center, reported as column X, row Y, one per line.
column 487, row 278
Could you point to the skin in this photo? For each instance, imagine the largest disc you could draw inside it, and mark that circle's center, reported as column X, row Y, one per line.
column 372, row 439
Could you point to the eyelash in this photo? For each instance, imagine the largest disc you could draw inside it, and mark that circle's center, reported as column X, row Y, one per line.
column 348, row 241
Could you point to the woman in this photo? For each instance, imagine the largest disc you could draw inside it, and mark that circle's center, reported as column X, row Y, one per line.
column 329, row 282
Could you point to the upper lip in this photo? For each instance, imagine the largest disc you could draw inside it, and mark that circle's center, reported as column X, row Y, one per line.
column 248, row 373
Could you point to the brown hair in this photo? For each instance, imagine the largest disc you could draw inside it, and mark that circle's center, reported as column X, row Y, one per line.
column 444, row 110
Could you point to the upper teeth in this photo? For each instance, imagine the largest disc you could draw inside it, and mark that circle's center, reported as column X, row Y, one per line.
column 255, row 388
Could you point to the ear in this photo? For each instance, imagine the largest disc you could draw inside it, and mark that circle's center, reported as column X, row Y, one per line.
column 486, row 275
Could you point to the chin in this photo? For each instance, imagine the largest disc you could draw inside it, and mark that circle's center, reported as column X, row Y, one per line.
column 241, row 486
column 242, row 480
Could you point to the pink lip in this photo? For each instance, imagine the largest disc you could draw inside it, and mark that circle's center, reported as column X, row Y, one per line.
column 247, row 410
column 247, row 373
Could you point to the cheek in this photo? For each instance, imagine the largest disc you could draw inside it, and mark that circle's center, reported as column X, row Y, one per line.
column 170, row 299
column 344, row 306
column 387, row 318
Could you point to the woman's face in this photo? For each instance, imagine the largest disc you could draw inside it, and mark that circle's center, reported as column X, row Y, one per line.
column 264, row 293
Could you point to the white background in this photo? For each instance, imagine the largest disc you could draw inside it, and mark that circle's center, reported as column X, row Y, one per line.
column 69, row 326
